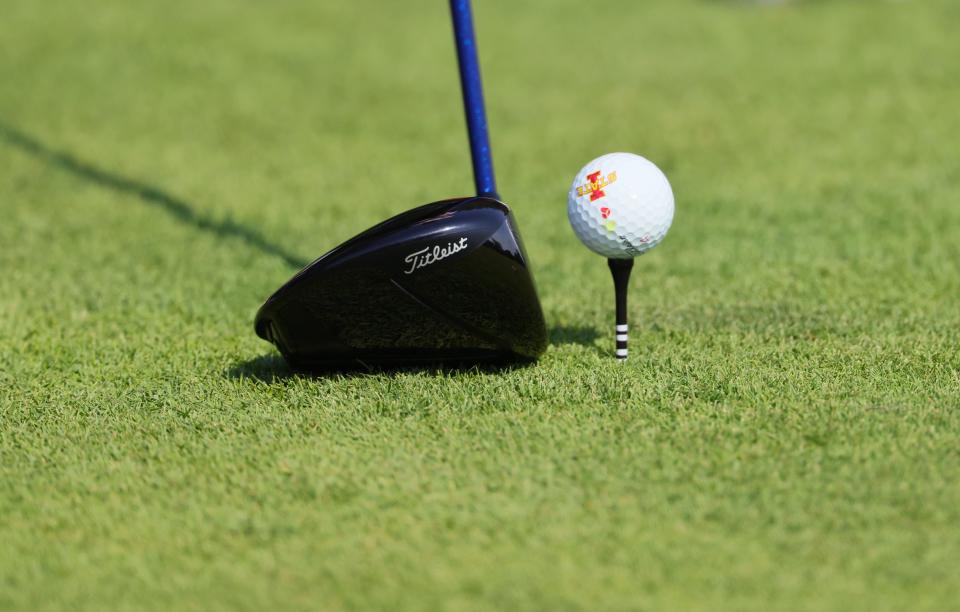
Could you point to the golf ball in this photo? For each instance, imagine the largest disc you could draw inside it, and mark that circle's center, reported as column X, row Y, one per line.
column 620, row 205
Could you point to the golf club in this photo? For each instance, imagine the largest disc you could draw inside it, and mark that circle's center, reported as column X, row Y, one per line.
column 446, row 282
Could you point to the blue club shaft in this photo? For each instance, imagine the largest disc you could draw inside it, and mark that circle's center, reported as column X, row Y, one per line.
column 473, row 107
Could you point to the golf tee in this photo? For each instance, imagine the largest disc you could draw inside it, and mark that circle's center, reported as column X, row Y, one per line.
column 621, row 342
column 620, row 270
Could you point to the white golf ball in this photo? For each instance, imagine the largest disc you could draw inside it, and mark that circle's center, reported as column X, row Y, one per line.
column 620, row 205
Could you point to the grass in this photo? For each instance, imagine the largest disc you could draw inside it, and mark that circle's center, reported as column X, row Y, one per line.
column 784, row 437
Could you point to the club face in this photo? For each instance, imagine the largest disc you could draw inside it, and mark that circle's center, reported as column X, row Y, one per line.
column 444, row 283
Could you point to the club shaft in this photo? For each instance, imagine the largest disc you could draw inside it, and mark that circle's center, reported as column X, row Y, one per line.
column 473, row 106
column 620, row 270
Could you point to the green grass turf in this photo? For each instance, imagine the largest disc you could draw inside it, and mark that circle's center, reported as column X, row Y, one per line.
column 785, row 435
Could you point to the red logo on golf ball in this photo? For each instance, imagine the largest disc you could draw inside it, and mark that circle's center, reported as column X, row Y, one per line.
column 595, row 185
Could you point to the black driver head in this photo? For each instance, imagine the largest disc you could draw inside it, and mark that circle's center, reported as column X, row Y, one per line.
column 444, row 283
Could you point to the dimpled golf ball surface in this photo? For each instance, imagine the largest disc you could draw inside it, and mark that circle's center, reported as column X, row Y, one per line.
column 620, row 205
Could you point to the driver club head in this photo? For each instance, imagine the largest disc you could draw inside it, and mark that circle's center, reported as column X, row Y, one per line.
column 443, row 283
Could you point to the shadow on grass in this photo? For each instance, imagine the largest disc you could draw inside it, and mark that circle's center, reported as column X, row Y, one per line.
column 272, row 368
column 148, row 194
